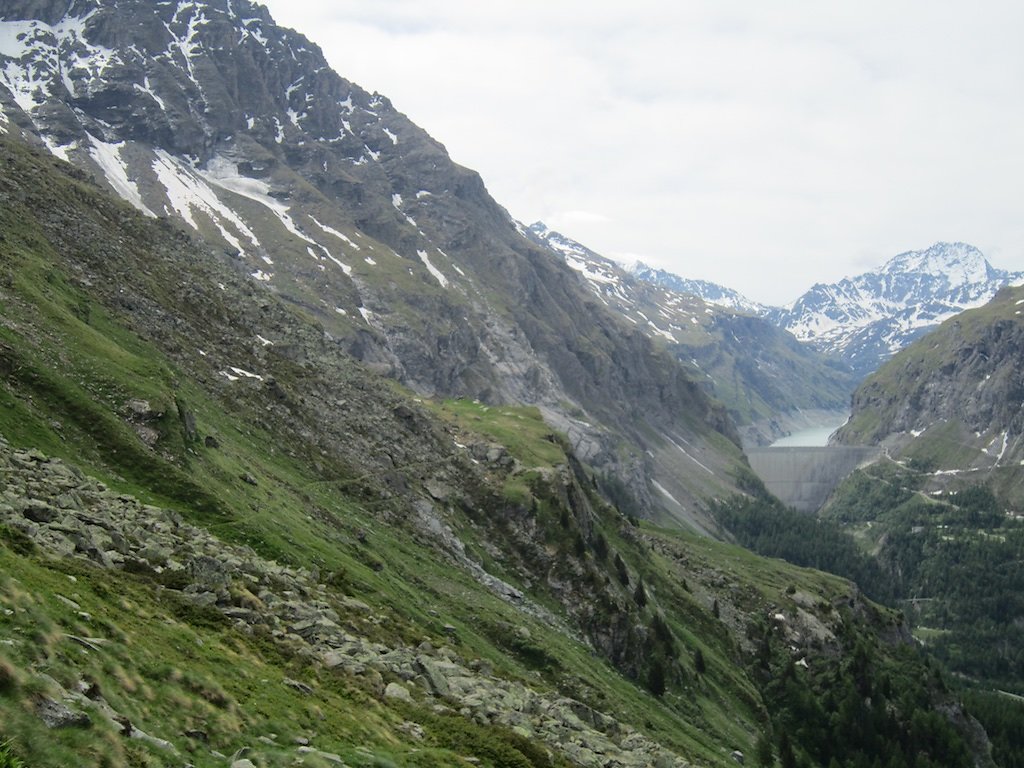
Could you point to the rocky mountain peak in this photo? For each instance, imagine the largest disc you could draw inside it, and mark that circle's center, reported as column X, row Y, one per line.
column 184, row 76
column 866, row 319
column 957, row 263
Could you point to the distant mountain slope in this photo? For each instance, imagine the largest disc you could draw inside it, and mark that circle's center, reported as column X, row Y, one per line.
column 208, row 113
column 712, row 293
column 868, row 318
column 761, row 373
column 954, row 399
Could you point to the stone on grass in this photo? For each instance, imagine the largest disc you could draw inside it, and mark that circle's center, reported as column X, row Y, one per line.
column 397, row 691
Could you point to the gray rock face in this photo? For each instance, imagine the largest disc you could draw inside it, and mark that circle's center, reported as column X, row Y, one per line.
column 56, row 714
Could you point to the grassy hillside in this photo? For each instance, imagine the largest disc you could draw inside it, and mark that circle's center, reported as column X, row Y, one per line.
column 224, row 539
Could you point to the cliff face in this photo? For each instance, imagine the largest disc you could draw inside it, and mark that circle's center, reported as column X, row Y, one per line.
column 210, row 114
column 955, row 397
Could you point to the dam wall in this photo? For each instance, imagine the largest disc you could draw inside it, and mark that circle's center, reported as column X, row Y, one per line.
column 804, row 477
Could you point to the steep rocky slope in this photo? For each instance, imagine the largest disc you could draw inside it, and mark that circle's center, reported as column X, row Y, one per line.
column 866, row 319
column 764, row 376
column 226, row 541
column 208, row 113
column 954, row 399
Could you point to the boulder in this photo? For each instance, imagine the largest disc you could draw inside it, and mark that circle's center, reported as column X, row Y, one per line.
column 397, row 691
column 207, row 572
column 57, row 714
column 436, row 681
column 39, row 511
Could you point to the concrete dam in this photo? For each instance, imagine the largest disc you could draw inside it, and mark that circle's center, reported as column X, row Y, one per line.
column 804, row 477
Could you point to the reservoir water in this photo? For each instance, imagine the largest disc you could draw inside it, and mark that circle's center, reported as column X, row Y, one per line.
column 809, row 437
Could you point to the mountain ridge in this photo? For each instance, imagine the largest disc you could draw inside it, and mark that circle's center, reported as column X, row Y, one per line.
column 762, row 374
column 713, row 293
column 209, row 113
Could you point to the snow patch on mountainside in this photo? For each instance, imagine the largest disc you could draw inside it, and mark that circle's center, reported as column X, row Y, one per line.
column 224, row 173
column 437, row 273
column 39, row 54
column 108, row 157
column 340, row 235
column 187, row 191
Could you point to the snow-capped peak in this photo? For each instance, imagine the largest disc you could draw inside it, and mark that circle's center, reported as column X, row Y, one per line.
column 958, row 263
column 867, row 318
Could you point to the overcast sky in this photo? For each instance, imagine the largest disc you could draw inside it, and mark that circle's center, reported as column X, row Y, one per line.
column 764, row 146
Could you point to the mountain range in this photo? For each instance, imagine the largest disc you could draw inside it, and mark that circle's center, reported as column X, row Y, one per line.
column 210, row 114
column 767, row 380
column 311, row 454
column 859, row 321
column 864, row 320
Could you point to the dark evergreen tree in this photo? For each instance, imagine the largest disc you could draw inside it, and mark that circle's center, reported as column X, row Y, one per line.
column 656, row 678
column 621, row 571
column 640, row 594
column 786, row 756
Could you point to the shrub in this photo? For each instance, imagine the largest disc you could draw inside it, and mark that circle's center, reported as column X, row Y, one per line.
column 16, row 540
column 7, row 757
column 656, row 678
column 8, row 677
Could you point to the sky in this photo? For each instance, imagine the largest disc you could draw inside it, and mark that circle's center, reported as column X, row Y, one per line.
column 763, row 146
